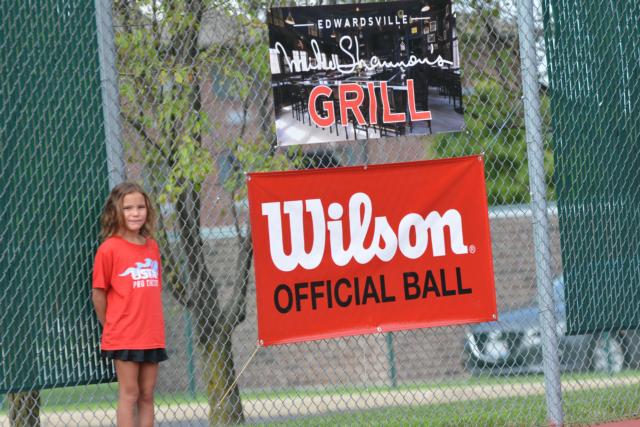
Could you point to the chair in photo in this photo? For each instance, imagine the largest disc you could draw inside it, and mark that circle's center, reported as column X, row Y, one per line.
column 299, row 102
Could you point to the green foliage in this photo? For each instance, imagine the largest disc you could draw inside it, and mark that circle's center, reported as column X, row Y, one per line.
column 495, row 128
column 251, row 157
column 494, row 117
column 161, row 80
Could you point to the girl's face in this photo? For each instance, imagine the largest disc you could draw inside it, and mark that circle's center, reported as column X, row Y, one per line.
column 134, row 212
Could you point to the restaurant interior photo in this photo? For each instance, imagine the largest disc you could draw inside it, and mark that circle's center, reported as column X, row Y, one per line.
column 404, row 55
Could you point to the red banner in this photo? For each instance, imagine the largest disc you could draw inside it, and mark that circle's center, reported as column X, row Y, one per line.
column 357, row 250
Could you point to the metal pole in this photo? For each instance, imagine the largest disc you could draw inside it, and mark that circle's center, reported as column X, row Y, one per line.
column 535, row 153
column 391, row 357
column 109, row 86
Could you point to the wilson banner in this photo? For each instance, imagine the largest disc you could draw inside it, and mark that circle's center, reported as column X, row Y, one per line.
column 357, row 250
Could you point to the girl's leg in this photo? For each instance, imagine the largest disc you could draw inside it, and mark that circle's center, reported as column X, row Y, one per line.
column 146, row 384
column 128, row 392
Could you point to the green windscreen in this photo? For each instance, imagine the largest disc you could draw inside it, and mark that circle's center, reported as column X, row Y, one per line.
column 53, row 176
column 594, row 70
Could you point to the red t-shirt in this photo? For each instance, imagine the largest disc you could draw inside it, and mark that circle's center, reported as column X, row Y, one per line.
column 131, row 276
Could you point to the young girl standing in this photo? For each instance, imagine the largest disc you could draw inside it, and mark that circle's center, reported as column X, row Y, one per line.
column 126, row 295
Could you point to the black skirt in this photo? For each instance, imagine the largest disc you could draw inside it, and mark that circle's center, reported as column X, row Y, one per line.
column 154, row 355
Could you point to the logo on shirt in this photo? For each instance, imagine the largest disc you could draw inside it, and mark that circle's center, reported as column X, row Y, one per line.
column 143, row 274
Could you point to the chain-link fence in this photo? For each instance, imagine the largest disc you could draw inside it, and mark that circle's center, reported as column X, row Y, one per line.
column 188, row 111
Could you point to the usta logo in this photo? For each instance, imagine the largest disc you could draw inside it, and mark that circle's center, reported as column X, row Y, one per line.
column 143, row 270
column 385, row 242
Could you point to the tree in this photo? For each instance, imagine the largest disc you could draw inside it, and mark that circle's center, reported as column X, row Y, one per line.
column 24, row 408
column 494, row 113
column 163, row 68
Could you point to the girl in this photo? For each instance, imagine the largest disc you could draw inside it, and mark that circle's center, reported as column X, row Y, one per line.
column 126, row 297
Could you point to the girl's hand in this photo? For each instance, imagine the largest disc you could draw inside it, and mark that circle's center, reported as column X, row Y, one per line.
column 99, row 298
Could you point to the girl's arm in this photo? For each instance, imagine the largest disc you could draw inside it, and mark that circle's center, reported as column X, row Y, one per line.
column 99, row 298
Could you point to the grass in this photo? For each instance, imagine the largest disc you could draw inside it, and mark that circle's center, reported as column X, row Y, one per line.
column 75, row 398
column 451, row 383
column 97, row 396
column 581, row 407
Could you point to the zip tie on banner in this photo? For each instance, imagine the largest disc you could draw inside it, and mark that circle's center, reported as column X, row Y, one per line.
column 226, row 393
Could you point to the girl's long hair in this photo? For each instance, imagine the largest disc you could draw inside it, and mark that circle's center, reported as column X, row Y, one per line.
column 112, row 219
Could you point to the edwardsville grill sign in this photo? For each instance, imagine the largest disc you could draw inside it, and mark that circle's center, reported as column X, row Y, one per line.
column 356, row 250
column 345, row 72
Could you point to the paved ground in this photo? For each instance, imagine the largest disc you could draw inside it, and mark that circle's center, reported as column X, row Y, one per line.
column 286, row 408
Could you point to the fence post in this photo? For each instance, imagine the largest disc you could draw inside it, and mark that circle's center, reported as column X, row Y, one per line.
column 535, row 155
column 109, row 86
